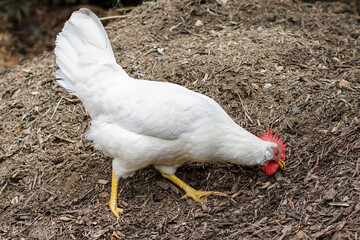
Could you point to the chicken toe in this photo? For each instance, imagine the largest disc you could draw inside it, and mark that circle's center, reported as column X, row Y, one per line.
column 198, row 194
column 189, row 191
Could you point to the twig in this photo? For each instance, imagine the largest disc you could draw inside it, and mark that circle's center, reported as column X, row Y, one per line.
column 34, row 182
column 245, row 110
column 2, row 189
column 63, row 138
column 329, row 230
column 77, row 200
column 82, row 211
column 22, row 230
column 339, row 204
column 237, row 194
column 28, row 200
column 165, row 224
column 113, row 17
column 48, row 191
column 57, row 105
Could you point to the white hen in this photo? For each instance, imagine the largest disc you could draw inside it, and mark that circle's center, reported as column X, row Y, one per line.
column 140, row 122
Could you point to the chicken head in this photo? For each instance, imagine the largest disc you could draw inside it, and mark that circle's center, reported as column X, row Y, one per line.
column 275, row 156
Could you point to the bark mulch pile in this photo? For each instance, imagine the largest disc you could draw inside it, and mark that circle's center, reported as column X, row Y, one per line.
column 289, row 65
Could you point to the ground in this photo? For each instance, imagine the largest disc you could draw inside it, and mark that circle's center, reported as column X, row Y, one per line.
column 289, row 65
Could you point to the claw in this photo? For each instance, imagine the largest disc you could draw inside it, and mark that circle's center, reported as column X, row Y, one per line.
column 115, row 209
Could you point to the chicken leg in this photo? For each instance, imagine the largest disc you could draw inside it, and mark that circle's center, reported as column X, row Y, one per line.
column 189, row 191
column 113, row 198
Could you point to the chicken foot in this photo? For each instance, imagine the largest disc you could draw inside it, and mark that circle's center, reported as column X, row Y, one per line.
column 189, row 191
column 113, row 198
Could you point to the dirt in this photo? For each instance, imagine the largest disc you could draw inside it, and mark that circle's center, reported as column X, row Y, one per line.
column 36, row 32
column 289, row 65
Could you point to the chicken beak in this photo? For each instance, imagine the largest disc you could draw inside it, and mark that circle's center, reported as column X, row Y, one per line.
column 281, row 163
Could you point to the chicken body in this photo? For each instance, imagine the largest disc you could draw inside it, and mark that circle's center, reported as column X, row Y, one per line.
column 140, row 122
column 162, row 124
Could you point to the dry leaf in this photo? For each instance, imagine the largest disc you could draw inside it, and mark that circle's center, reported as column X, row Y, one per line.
column 115, row 235
column 255, row 86
column 336, row 127
column 17, row 129
column 345, row 84
column 84, row 211
column 103, row 194
column 318, row 112
column 199, row 23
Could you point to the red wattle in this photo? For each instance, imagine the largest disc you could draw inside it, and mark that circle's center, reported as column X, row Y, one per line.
column 271, row 167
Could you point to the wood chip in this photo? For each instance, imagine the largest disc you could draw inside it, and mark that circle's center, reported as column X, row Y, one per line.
column 173, row 27
column 330, row 194
column 237, row 194
column 163, row 185
column 65, row 219
column 99, row 233
column 64, row 139
column 101, row 181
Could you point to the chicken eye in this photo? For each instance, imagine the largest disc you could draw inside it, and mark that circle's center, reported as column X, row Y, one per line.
column 268, row 154
column 276, row 151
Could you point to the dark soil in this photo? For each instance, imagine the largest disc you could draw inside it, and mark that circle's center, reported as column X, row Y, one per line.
column 36, row 32
column 291, row 65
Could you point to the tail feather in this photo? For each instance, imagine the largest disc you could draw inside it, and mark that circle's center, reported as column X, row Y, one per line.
column 83, row 51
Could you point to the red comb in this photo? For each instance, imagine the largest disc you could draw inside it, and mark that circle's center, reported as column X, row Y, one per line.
column 270, row 138
column 272, row 165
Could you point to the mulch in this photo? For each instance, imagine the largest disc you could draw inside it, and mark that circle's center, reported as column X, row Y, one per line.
column 289, row 65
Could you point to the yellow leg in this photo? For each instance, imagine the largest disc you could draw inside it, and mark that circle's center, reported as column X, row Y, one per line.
column 113, row 198
column 189, row 191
